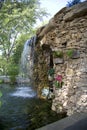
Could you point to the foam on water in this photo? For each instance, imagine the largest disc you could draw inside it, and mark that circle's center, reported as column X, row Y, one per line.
column 25, row 92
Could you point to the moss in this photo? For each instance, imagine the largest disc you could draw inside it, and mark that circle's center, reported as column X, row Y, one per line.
column 57, row 54
column 70, row 53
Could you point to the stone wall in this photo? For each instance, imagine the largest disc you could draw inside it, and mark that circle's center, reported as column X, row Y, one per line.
column 66, row 33
column 40, row 69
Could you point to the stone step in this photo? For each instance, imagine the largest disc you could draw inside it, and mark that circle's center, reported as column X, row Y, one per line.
column 64, row 123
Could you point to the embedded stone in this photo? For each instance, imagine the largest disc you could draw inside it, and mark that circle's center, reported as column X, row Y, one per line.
column 76, row 54
column 65, row 104
column 58, row 60
column 69, row 72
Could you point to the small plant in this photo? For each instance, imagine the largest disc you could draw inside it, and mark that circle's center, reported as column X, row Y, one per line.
column 58, row 54
column 51, row 72
column 58, row 81
column 70, row 53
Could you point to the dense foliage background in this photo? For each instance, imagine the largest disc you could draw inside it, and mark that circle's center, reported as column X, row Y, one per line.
column 17, row 21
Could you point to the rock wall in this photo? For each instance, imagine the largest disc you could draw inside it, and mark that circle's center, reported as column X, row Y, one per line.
column 40, row 69
column 65, row 36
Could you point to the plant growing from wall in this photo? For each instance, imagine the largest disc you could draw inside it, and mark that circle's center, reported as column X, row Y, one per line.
column 70, row 53
column 58, row 81
column 51, row 71
column 51, row 74
column 57, row 54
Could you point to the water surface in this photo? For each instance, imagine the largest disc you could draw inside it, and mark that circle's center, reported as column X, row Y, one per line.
column 16, row 102
column 22, row 110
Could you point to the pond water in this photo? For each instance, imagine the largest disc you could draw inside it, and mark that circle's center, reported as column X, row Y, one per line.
column 16, row 102
column 22, row 110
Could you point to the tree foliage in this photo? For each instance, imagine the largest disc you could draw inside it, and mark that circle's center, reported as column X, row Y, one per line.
column 73, row 2
column 17, row 19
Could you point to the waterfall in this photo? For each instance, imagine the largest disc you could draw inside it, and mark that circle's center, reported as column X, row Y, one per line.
column 27, row 58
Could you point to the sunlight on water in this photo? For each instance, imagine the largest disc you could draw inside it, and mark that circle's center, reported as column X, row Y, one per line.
column 24, row 92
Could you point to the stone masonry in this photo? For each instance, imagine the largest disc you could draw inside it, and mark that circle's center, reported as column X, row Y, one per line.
column 66, row 32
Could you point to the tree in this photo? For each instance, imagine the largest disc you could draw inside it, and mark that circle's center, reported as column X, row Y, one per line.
column 17, row 17
column 73, row 2
column 17, row 20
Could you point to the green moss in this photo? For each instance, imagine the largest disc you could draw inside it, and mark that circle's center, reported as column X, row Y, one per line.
column 58, row 54
column 69, row 53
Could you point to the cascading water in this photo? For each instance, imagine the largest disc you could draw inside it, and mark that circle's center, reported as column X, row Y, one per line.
column 27, row 58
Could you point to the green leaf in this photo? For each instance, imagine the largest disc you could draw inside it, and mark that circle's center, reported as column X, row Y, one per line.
column 56, row 83
column 51, row 72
